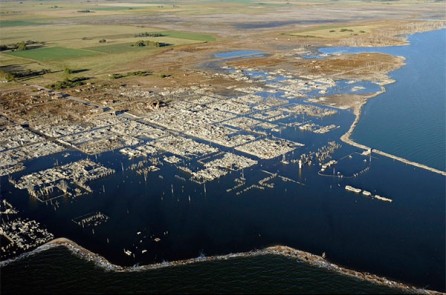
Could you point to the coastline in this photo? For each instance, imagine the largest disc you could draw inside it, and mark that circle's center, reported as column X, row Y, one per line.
column 357, row 111
column 301, row 256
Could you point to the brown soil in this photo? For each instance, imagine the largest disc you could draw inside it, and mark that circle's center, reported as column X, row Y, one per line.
column 364, row 66
column 342, row 101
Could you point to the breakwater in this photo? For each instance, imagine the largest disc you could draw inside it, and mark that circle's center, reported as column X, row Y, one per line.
column 301, row 256
column 346, row 138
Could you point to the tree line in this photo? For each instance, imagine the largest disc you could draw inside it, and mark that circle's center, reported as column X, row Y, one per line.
column 149, row 43
column 22, row 45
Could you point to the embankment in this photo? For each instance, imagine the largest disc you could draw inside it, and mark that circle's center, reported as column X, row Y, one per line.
column 301, row 256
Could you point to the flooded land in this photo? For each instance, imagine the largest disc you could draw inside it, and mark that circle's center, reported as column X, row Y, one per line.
column 140, row 146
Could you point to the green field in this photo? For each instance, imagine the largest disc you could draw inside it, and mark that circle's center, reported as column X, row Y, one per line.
column 117, row 48
column 17, row 23
column 336, row 31
column 53, row 53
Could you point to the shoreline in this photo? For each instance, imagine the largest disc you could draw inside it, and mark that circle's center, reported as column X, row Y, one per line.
column 285, row 251
column 357, row 111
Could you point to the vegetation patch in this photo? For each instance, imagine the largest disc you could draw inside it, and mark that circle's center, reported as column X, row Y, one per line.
column 53, row 53
column 68, row 83
column 115, row 48
column 69, row 71
column 23, row 45
column 22, row 74
column 149, row 43
column 147, row 34
column 117, row 8
column 137, row 73
column 17, row 23
column 336, row 31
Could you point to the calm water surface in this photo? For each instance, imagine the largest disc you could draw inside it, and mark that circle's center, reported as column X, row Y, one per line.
column 409, row 119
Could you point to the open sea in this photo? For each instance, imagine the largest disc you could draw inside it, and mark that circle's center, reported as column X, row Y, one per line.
column 403, row 240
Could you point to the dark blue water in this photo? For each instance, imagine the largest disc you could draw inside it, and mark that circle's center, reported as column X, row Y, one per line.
column 58, row 272
column 409, row 119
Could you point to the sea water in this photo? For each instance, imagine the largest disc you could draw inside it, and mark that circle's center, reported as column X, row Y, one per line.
column 408, row 120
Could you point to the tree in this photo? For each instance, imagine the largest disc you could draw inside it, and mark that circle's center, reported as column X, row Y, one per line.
column 21, row 46
column 9, row 77
column 140, row 43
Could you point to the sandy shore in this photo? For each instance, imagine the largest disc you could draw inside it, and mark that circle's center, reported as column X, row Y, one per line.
column 301, row 256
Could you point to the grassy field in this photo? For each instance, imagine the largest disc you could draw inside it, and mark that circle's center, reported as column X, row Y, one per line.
column 53, row 53
column 80, row 40
column 17, row 23
column 336, row 31
column 72, row 36
column 116, row 48
column 117, row 8
column 97, row 35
